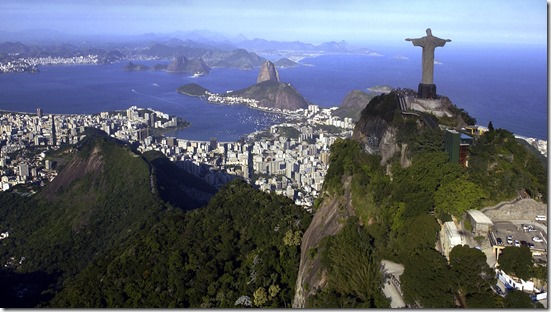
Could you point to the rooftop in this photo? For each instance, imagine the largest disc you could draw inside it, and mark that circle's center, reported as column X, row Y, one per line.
column 479, row 217
column 451, row 229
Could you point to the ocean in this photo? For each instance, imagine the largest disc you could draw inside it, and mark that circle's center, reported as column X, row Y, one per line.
column 505, row 85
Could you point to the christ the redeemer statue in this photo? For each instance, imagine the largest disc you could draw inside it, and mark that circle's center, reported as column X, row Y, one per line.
column 427, row 88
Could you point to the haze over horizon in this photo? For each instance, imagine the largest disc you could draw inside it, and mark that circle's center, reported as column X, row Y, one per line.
column 357, row 22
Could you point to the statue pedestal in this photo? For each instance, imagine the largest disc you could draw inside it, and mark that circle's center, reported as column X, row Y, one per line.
column 427, row 91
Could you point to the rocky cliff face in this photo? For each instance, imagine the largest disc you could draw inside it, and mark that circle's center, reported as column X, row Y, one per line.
column 325, row 223
column 182, row 64
column 353, row 104
column 357, row 99
column 267, row 72
column 284, row 96
column 375, row 130
column 273, row 94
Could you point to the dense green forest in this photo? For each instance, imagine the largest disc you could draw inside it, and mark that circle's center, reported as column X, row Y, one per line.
column 399, row 209
column 241, row 250
column 118, row 235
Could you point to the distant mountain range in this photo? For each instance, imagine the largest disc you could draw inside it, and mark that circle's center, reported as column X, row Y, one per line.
column 196, row 51
column 197, row 38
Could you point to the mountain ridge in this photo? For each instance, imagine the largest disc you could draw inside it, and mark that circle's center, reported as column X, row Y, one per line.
column 104, row 194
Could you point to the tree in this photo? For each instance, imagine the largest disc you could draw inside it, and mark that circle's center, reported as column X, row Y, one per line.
column 490, row 126
column 260, row 297
column 427, row 280
column 472, row 276
column 273, row 290
column 354, row 279
column 518, row 299
column 457, row 197
column 517, row 261
column 292, row 238
column 416, row 234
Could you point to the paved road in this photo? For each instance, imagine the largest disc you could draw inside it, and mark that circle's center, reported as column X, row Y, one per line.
column 391, row 286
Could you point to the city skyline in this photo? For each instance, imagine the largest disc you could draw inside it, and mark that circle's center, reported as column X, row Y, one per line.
column 516, row 22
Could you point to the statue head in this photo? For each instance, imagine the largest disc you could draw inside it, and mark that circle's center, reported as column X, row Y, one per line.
column 429, row 32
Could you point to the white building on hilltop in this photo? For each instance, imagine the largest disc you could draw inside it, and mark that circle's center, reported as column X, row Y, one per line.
column 449, row 237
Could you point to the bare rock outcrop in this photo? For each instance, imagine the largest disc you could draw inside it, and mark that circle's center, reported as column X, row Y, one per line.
column 267, row 72
column 77, row 168
column 273, row 94
column 325, row 223
column 388, row 146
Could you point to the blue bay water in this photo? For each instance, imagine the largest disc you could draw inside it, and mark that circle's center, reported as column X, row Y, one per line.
column 507, row 86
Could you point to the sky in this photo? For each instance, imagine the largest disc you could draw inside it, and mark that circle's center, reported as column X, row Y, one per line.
column 356, row 21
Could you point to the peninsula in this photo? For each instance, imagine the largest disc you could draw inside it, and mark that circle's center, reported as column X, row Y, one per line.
column 268, row 92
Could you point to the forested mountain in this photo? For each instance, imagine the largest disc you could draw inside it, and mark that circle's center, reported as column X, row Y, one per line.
column 101, row 197
column 241, row 250
column 112, row 212
column 390, row 205
column 117, row 228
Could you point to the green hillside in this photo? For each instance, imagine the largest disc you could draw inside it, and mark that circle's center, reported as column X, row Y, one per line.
column 241, row 250
column 100, row 198
column 192, row 89
column 120, row 229
column 105, row 194
column 396, row 209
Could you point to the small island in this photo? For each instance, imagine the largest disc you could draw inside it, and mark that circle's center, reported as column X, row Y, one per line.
column 268, row 93
column 192, row 89
column 135, row 67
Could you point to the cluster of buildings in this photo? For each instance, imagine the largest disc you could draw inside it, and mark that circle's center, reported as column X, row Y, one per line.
column 541, row 145
column 273, row 160
column 17, row 66
column 231, row 100
column 313, row 112
column 24, row 138
column 291, row 163
column 477, row 229
column 29, row 64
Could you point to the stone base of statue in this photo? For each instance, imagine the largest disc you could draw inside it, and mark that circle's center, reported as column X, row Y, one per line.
column 427, row 91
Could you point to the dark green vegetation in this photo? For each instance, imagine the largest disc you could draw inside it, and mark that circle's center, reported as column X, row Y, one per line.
column 192, row 89
column 110, row 231
column 244, row 243
column 520, row 300
column 398, row 208
column 89, row 209
column 472, row 277
column 503, row 165
column 288, row 132
column 517, row 261
column 354, row 280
